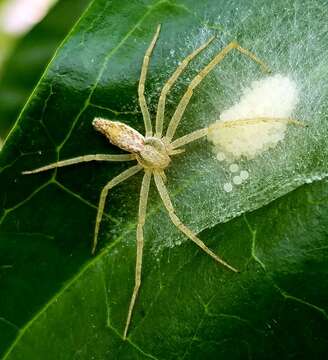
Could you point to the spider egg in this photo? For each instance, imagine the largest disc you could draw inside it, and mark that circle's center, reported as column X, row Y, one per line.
column 272, row 97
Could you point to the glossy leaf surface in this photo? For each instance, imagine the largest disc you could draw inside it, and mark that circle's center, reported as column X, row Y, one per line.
column 28, row 60
column 61, row 303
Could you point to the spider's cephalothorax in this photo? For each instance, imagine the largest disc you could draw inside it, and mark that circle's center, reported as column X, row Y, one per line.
column 152, row 151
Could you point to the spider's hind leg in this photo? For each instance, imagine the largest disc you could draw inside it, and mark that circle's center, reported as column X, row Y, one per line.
column 183, row 228
column 140, row 242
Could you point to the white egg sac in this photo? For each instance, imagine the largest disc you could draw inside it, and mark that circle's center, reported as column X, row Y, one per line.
column 272, row 97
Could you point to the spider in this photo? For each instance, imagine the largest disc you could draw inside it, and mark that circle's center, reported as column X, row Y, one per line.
column 153, row 151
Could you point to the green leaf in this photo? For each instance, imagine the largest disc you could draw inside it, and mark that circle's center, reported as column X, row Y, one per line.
column 26, row 63
column 60, row 303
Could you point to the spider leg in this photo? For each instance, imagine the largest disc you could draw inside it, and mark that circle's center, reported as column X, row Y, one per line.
column 255, row 121
column 195, row 135
column 115, row 181
column 140, row 242
column 186, row 139
column 141, row 87
column 183, row 228
column 200, row 76
column 80, row 159
column 166, row 88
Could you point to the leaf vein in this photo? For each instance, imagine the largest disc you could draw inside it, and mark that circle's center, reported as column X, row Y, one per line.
column 102, row 69
column 84, row 201
column 288, row 296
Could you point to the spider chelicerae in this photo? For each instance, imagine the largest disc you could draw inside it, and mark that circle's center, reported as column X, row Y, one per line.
column 153, row 151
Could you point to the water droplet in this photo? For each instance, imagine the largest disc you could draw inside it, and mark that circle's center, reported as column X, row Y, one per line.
column 220, row 156
column 237, row 180
column 244, row 174
column 227, row 187
column 233, row 168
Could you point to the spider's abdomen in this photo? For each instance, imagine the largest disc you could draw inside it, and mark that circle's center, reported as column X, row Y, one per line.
column 120, row 135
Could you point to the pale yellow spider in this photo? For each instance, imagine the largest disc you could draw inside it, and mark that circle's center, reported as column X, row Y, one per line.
column 153, row 151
